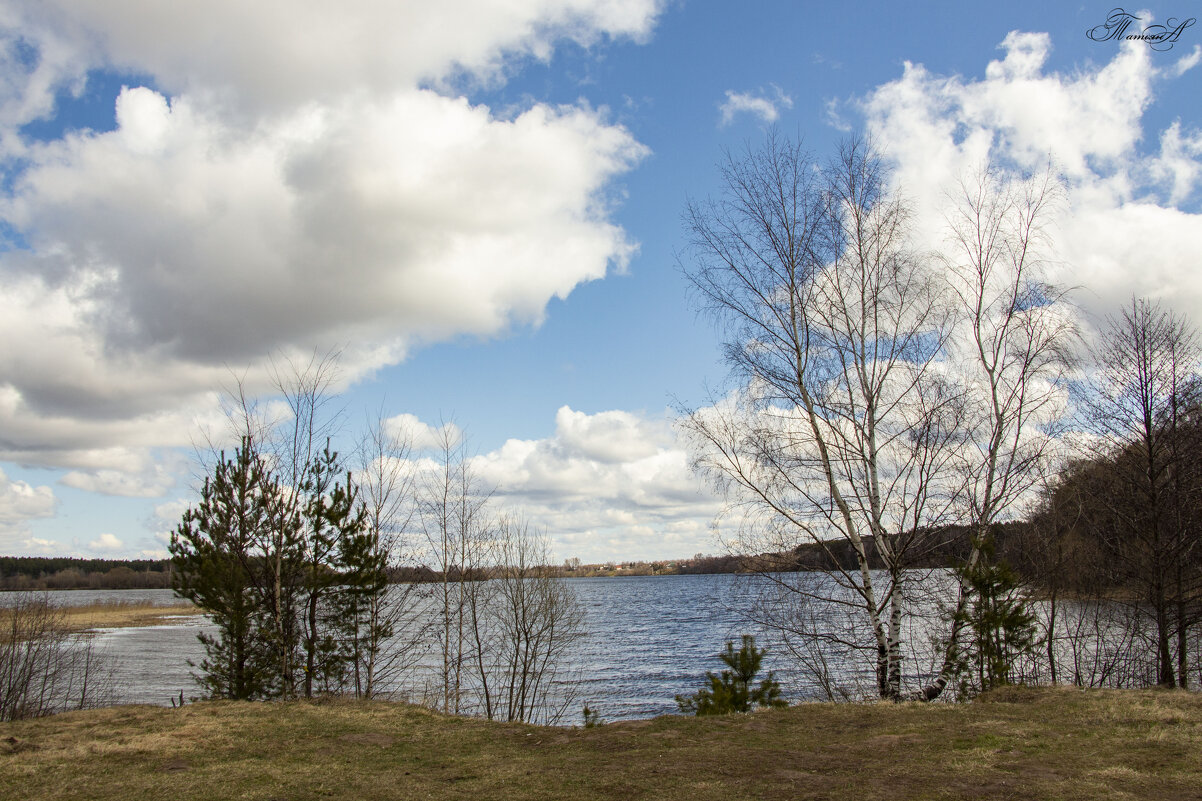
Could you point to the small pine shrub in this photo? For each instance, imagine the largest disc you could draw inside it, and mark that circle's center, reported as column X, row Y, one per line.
column 732, row 690
column 591, row 717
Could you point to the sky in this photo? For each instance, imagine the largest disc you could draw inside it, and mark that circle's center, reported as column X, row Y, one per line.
column 478, row 203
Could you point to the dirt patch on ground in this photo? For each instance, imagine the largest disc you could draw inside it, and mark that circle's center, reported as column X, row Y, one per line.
column 11, row 745
column 892, row 740
column 368, row 738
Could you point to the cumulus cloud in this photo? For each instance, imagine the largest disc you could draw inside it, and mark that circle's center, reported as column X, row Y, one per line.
column 1131, row 225
column 609, row 485
column 154, row 483
column 36, row 546
column 21, row 502
column 766, row 106
column 282, row 53
column 279, row 178
column 417, row 218
column 419, row 436
column 106, row 543
column 160, row 524
column 168, row 514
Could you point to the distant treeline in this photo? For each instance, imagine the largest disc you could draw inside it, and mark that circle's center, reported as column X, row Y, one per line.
column 944, row 547
column 65, row 573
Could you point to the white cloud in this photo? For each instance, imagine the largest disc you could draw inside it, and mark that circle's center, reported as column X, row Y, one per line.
column 1179, row 164
column 285, row 53
column 1131, row 225
column 611, row 485
column 106, row 543
column 1187, row 63
column 172, row 510
column 168, row 514
column 165, row 518
column 759, row 104
column 614, row 436
column 152, row 484
column 29, row 81
column 36, row 546
column 419, row 436
column 414, row 219
column 295, row 176
column 21, row 502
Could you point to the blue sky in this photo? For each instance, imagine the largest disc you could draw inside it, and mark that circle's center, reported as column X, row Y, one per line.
column 480, row 203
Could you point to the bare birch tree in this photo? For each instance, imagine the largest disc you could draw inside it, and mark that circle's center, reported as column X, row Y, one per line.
column 884, row 393
column 504, row 621
column 843, row 428
column 453, row 518
column 1012, row 343
column 394, row 637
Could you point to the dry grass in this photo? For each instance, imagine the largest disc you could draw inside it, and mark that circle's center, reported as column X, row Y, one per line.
column 1022, row 744
column 114, row 614
column 121, row 614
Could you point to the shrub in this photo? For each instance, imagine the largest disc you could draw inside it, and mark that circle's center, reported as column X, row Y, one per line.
column 732, row 690
column 41, row 670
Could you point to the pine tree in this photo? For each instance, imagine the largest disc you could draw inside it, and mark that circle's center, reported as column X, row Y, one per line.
column 214, row 560
column 362, row 566
column 732, row 690
column 342, row 571
column 286, row 574
column 998, row 620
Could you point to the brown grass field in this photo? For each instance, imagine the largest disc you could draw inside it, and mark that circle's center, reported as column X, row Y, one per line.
column 119, row 614
column 112, row 614
column 1013, row 744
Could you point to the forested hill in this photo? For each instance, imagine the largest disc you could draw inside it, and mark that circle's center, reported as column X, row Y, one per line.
column 938, row 547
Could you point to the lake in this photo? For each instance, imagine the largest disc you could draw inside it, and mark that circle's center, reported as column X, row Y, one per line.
column 649, row 638
column 652, row 637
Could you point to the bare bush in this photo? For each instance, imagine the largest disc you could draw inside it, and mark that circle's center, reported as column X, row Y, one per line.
column 42, row 669
column 537, row 619
column 394, row 637
column 503, row 619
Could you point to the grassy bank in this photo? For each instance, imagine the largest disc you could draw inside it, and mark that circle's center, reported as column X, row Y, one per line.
column 121, row 614
column 110, row 614
column 1036, row 744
